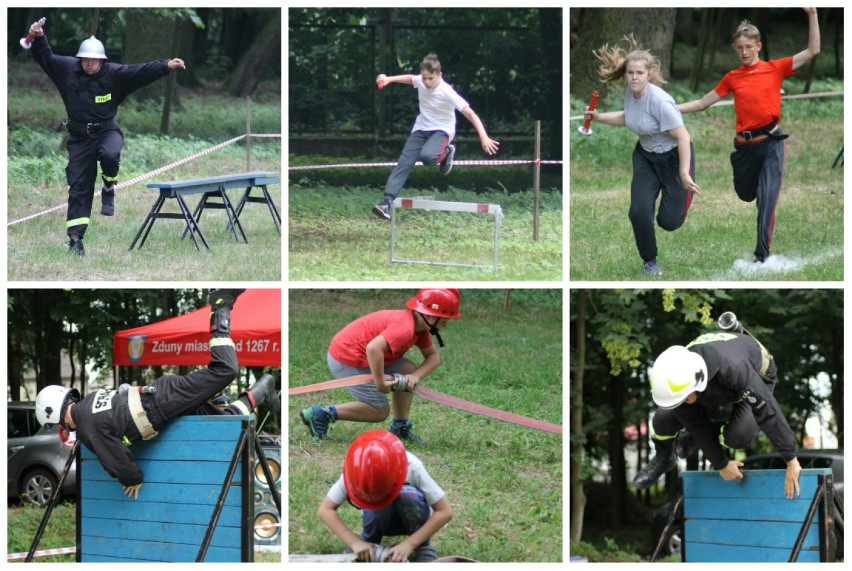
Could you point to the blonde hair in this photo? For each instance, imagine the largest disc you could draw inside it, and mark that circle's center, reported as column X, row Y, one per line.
column 748, row 31
column 614, row 61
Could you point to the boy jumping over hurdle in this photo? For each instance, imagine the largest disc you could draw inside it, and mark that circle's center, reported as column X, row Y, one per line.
column 434, row 128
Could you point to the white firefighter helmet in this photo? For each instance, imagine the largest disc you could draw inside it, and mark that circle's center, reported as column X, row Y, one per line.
column 92, row 48
column 677, row 373
column 51, row 401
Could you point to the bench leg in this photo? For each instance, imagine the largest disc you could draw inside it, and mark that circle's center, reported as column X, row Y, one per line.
column 233, row 218
column 196, row 214
column 191, row 224
column 276, row 218
column 149, row 223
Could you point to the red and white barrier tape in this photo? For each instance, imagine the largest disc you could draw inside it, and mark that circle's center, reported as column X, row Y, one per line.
column 147, row 175
column 731, row 101
column 42, row 553
column 437, row 397
column 507, row 162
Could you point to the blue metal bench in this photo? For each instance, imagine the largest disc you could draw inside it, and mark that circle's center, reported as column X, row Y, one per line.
column 212, row 189
column 752, row 519
column 191, row 506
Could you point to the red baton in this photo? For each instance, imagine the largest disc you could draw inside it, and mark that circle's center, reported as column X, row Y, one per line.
column 585, row 129
column 26, row 43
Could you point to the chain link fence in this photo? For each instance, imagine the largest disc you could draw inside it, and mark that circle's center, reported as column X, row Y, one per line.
column 502, row 71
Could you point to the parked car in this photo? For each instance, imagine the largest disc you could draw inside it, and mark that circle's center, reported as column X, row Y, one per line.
column 35, row 457
column 807, row 458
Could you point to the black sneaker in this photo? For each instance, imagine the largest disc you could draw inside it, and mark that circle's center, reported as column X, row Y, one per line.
column 760, row 259
column 404, row 432
column 108, row 201
column 447, row 163
column 75, row 246
column 382, row 210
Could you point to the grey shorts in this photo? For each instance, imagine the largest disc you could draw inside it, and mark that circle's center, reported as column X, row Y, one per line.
column 367, row 393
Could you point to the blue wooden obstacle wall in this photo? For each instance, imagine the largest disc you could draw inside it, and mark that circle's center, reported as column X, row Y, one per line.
column 751, row 520
column 184, row 467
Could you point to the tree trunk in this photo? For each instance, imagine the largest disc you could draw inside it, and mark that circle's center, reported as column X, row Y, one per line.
column 616, row 453
column 578, row 496
column 653, row 28
column 15, row 346
column 245, row 76
column 147, row 38
column 49, row 346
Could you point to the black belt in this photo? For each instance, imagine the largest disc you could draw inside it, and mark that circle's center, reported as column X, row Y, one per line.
column 766, row 130
column 89, row 129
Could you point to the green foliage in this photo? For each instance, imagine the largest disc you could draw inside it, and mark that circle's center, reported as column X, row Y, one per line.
column 503, row 481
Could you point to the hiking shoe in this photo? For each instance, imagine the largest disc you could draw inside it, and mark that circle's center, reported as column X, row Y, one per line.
column 382, row 210
column 75, row 246
column 652, row 268
column 404, row 432
column 108, row 201
column 317, row 419
column 447, row 163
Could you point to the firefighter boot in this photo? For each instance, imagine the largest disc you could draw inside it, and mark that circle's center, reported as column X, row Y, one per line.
column 664, row 460
column 221, row 303
column 108, row 200
column 263, row 393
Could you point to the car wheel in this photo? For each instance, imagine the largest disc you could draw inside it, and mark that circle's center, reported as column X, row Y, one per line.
column 38, row 486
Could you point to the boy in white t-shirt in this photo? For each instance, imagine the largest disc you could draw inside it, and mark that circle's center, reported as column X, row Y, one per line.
column 397, row 496
column 435, row 127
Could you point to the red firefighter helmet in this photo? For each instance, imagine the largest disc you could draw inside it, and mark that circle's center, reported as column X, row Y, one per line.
column 375, row 469
column 437, row 302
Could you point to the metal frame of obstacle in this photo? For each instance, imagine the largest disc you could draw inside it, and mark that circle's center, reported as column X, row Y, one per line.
column 196, row 503
column 753, row 521
column 445, row 206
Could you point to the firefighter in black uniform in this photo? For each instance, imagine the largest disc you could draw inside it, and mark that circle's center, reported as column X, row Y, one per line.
column 714, row 370
column 92, row 90
column 108, row 421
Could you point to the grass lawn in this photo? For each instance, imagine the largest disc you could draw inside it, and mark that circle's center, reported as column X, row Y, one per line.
column 718, row 238
column 37, row 250
column 335, row 236
column 503, row 481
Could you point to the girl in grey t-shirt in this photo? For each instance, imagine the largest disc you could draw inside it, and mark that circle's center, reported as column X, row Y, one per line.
column 663, row 160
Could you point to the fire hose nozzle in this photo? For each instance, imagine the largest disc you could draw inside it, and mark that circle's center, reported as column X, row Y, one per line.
column 728, row 321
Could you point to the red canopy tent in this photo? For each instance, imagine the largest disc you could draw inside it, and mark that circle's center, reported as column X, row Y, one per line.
column 183, row 340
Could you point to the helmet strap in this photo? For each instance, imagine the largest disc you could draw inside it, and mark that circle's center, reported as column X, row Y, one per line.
column 433, row 329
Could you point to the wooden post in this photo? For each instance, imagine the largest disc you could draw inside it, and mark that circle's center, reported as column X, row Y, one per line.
column 537, row 178
column 248, row 134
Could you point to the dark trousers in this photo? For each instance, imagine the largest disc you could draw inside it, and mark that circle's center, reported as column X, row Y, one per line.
column 737, row 433
column 758, row 174
column 84, row 154
column 404, row 516
column 655, row 174
column 177, row 395
column 428, row 147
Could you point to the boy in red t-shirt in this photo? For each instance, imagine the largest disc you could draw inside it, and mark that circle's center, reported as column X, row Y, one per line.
column 759, row 147
column 376, row 344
